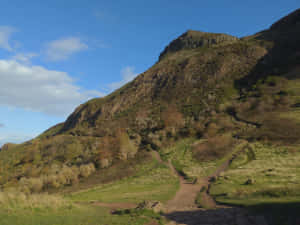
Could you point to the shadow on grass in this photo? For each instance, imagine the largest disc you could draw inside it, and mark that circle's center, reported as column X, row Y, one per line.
column 278, row 213
column 260, row 214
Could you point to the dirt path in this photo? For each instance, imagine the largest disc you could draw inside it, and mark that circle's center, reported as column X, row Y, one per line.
column 184, row 200
column 182, row 210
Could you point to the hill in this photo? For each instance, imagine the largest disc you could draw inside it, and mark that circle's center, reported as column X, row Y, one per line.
column 211, row 87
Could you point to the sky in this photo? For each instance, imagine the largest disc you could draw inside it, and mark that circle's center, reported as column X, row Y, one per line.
column 55, row 55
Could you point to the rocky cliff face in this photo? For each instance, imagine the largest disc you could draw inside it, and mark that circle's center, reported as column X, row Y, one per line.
column 203, row 85
column 195, row 39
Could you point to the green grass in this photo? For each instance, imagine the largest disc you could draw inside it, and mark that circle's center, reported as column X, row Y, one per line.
column 154, row 181
column 199, row 200
column 182, row 158
column 275, row 175
column 43, row 209
column 81, row 215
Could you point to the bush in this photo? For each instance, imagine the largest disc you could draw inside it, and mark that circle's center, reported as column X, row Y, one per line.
column 31, row 185
column 52, row 181
column 214, row 148
column 57, row 177
column 70, row 174
column 86, row 170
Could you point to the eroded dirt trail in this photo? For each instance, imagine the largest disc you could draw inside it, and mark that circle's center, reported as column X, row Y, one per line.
column 185, row 196
column 182, row 210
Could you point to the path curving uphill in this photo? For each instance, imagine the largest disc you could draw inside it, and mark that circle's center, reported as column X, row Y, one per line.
column 182, row 209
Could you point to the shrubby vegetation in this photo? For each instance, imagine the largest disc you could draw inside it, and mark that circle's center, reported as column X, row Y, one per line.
column 13, row 200
column 57, row 177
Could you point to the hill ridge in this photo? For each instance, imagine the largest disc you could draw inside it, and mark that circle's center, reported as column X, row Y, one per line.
column 200, row 85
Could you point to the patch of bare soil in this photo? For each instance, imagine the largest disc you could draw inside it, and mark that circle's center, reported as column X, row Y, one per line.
column 182, row 210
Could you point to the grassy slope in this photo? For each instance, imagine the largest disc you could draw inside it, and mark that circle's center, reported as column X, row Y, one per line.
column 82, row 215
column 154, row 181
column 273, row 167
column 43, row 209
column 182, row 157
column 263, row 111
column 275, row 174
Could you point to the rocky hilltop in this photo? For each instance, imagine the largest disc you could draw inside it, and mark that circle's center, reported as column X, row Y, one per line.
column 195, row 39
column 204, row 85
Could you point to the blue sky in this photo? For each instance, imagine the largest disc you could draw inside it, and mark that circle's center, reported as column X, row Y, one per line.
column 57, row 54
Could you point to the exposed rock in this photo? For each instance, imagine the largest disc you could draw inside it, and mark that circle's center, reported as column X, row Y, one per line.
column 195, row 39
column 7, row 146
column 250, row 181
column 156, row 206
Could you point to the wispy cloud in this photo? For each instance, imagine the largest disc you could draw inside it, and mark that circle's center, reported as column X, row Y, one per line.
column 16, row 138
column 2, row 125
column 5, row 35
column 24, row 57
column 38, row 89
column 63, row 48
column 127, row 74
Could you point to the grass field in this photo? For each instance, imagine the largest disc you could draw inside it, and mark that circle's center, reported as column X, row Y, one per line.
column 266, row 174
column 44, row 209
column 154, row 181
column 182, row 158
column 79, row 215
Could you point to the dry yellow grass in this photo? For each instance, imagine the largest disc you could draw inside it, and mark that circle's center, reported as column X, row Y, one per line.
column 13, row 200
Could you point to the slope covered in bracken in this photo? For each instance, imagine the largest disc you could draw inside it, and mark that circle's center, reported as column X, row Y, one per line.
column 204, row 85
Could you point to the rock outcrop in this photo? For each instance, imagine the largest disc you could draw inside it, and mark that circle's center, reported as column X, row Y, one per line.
column 195, row 39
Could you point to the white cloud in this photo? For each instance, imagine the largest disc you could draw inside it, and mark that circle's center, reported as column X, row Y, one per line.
column 37, row 89
column 127, row 74
column 24, row 57
column 2, row 125
column 16, row 138
column 62, row 49
column 5, row 34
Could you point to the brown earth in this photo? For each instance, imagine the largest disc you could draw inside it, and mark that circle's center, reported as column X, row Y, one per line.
column 182, row 209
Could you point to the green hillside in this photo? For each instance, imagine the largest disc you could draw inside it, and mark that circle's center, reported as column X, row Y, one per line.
column 209, row 99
